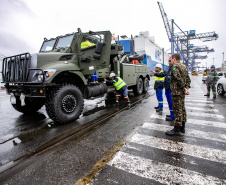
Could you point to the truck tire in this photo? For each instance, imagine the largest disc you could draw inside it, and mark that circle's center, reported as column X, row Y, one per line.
column 31, row 105
column 146, row 85
column 138, row 88
column 65, row 104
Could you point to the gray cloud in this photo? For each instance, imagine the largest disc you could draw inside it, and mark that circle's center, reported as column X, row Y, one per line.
column 12, row 45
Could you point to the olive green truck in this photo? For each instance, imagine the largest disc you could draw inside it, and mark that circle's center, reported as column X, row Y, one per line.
column 59, row 75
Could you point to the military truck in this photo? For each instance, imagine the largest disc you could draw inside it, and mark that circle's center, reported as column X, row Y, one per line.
column 59, row 75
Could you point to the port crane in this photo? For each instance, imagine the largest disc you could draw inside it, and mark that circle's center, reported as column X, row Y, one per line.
column 182, row 39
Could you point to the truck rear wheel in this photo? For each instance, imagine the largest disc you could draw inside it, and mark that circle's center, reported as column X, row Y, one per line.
column 138, row 88
column 65, row 104
column 146, row 85
column 31, row 105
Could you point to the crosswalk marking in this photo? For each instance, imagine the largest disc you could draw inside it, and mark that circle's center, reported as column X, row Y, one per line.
column 179, row 147
column 161, row 172
column 198, row 108
column 189, row 132
column 201, row 114
column 150, row 137
column 200, row 122
column 199, row 104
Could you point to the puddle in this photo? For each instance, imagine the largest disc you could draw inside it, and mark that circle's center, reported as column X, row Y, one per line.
column 9, row 144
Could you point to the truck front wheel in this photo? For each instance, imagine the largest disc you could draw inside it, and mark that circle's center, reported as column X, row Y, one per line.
column 65, row 104
column 31, row 105
column 138, row 88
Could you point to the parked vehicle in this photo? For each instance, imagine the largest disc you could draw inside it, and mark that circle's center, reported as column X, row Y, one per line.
column 221, row 85
column 59, row 75
column 195, row 73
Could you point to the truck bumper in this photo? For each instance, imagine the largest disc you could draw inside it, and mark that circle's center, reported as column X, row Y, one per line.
column 29, row 90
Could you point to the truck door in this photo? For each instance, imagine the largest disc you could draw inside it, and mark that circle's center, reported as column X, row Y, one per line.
column 95, row 52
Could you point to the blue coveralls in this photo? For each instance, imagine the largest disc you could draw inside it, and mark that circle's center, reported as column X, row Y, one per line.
column 168, row 94
column 158, row 86
column 94, row 77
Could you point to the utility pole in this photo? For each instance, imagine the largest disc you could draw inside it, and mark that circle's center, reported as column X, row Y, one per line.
column 213, row 61
column 223, row 59
column 163, row 58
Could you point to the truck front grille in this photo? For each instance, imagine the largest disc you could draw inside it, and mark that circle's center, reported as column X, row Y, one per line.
column 15, row 69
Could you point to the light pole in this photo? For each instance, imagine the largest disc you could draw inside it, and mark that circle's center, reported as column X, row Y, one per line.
column 213, row 61
column 223, row 60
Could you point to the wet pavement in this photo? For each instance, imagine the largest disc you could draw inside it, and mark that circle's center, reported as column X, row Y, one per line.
column 148, row 156
column 197, row 157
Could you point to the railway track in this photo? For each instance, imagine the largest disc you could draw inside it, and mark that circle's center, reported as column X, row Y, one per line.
column 20, row 163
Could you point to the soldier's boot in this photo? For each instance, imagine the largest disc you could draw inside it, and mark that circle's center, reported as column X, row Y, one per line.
column 174, row 132
column 182, row 128
column 159, row 110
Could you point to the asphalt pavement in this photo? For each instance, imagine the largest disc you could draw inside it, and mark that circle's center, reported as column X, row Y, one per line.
column 132, row 148
column 196, row 157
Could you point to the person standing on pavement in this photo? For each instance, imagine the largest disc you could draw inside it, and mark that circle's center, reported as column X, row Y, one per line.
column 158, row 86
column 211, row 81
column 120, row 86
column 180, row 82
column 168, row 94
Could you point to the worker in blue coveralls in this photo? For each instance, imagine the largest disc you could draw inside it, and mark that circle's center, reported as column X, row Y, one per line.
column 168, row 94
column 120, row 86
column 158, row 86
column 94, row 78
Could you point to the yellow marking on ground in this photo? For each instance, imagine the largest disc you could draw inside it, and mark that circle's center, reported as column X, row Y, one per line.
column 100, row 164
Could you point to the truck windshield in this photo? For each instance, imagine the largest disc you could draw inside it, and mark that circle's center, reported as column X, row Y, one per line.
column 64, row 42
column 48, row 45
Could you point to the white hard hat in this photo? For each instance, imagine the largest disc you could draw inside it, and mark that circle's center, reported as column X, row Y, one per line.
column 159, row 66
column 112, row 74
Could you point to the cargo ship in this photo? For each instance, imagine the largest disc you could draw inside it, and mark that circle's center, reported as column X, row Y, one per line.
column 144, row 44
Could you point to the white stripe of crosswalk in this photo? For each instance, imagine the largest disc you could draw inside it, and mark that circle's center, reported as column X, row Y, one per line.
column 189, row 132
column 208, row 115
column 201, row 114
column 196, row 121
column 198, row 108
column 199, row 104
column 179, row 147
column 161, row 172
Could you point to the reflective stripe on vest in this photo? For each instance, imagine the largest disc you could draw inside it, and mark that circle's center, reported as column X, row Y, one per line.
column 119, row 84
column 159, row 78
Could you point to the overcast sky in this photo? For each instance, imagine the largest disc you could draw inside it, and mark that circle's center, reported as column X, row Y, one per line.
column 24, row 23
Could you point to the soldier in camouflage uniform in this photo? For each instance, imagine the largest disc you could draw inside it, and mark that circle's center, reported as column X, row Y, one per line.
column 180, row 82
column 211, row 81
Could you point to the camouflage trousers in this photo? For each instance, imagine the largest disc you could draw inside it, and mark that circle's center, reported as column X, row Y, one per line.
column 179, row 109
column 211, row 86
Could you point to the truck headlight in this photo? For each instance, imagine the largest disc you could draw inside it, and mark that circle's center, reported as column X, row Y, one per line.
column 40, row 78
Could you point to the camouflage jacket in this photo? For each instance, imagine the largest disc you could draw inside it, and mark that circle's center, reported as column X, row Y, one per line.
column 179, row 79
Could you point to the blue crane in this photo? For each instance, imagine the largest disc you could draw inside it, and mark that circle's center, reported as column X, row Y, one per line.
column 181, row 40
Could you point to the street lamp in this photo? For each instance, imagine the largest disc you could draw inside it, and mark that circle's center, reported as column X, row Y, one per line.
column 223, row 59
column 213, row 61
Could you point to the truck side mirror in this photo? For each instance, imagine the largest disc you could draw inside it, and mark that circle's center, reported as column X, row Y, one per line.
column 98, row 50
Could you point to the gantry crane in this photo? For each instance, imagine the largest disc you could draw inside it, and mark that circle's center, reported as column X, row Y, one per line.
column 181, row 40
